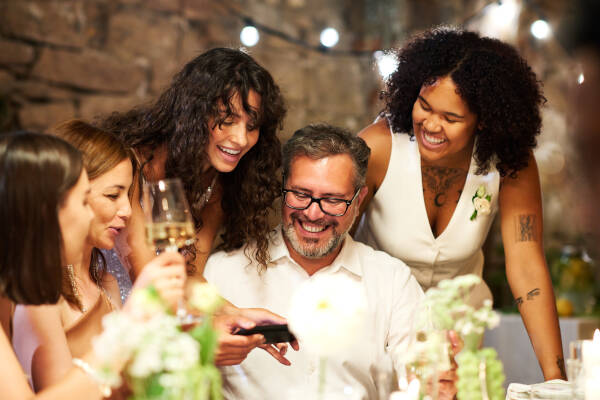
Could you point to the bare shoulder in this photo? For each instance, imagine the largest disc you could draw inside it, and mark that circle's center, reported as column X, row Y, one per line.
column 378, row 138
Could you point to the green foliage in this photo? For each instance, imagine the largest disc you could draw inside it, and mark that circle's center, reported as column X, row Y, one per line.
column 470, row 375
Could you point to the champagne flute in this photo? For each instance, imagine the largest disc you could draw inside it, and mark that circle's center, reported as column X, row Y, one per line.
column 169, row 223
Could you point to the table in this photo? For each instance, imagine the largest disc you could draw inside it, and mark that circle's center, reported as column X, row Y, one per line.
column 514, row 349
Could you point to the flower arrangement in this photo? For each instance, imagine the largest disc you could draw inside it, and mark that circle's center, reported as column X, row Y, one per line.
column 162, row 361
column 480, row 374
column 482, row 202
column 327, row 316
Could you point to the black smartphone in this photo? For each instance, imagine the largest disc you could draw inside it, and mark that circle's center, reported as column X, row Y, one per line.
column 272, row 333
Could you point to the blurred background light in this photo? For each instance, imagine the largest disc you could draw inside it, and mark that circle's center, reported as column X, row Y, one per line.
column 249, row 36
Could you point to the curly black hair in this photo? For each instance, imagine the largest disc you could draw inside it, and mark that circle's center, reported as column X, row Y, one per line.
column 492, row 78
column 183, row 117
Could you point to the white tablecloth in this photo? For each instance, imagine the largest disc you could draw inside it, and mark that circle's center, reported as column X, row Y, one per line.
column 514, row 349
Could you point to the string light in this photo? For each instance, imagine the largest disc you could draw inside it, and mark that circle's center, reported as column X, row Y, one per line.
column 540, row 29
column 329, row 37
column 580, row 78
column 386, row 63
column 249, row 36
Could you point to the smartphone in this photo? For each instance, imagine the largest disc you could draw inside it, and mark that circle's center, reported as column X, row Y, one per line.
column 272, row 333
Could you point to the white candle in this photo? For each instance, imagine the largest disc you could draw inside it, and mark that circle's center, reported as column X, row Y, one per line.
column 592, row 384
column 590, row 352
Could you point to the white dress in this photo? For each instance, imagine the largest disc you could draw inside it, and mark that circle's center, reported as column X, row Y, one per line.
column 396, row 221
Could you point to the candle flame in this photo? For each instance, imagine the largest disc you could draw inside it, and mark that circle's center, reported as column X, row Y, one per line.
column 597, row 336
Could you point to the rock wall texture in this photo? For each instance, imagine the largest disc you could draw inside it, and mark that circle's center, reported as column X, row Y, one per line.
column 72, row 58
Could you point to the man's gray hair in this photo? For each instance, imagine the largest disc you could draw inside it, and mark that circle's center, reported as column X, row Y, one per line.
column 318, row 141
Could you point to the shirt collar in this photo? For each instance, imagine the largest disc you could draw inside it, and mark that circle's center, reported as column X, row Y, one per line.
column 347, row 258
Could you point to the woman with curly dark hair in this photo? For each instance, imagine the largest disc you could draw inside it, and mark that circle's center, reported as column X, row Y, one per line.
column 452, row 148
column 215, row 127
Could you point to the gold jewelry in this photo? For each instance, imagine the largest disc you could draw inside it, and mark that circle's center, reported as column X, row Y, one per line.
column 104, row 387
column 75, row 287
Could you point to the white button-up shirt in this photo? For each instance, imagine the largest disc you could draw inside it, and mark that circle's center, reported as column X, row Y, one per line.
column 393, row 296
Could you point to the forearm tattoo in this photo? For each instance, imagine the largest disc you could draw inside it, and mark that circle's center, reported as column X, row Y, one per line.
column 519, row 301
column 525, row 227
column 438, row 180
column 530, row 295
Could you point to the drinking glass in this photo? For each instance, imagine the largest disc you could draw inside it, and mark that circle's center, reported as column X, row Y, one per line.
column 169, row 223
column 574, row 365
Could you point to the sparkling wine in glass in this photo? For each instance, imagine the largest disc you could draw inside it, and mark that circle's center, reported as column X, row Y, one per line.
column 169, row 223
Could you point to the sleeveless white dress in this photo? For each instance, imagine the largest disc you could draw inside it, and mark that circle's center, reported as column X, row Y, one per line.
column 396, row 222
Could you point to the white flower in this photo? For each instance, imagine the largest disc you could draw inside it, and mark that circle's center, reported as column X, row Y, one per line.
column 148, row 360
column 465, row 281
column 482, row 205
column 181, row 353
column 205, row 297
column 480, row 191
column 119, row 338
column 327, row 313
column 145, row 303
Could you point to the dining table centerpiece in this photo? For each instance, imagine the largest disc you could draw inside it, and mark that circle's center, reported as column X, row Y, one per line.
column 163, row 358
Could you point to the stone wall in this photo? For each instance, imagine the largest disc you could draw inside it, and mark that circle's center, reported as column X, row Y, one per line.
column 72, row 58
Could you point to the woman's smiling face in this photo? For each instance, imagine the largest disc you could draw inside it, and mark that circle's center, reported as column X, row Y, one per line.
column 229, row 141
column 442, row 122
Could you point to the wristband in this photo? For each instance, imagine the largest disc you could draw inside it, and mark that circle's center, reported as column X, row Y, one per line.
column 105, row 389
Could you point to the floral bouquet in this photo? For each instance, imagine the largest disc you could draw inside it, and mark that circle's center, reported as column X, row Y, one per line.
column 327, row 315
column 480, row 373
column 162, row 361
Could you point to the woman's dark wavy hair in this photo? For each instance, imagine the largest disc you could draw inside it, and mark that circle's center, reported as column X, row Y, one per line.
column 491, row 77
column 36, row 173
column 198, row 99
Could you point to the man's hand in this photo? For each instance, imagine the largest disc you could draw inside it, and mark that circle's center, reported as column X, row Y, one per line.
column 233, row 349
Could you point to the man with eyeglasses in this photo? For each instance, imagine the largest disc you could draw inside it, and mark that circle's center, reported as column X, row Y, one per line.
column 324, row 170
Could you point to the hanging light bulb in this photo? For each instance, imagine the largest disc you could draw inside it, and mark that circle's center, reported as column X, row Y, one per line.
column 386, row 63
column 540, row 29
column 329, row 37
column 249, row 36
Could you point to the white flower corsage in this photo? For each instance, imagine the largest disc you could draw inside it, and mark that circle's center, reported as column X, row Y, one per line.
column 482, row 202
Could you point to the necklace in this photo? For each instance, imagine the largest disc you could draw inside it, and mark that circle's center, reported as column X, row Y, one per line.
column 77, row 292
column 75, row 288
column 205, row 197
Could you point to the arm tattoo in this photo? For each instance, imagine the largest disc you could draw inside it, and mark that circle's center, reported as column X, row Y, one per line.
column 519, row 301
column 438, row 180
column 560, row 361
column 531, row 294
column 526, row 228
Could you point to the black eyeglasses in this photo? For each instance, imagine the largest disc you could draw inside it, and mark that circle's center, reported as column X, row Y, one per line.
column 329, row 205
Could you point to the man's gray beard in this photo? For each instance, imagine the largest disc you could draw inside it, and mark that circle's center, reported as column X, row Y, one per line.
column 313, row 251
column 309, row 251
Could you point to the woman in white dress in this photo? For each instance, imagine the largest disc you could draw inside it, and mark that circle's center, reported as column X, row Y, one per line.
column 451, row 149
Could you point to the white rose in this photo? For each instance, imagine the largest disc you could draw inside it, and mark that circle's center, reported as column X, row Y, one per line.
column 206, row 298
column 327, row 314
column 482, row 206
column 481, row 191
